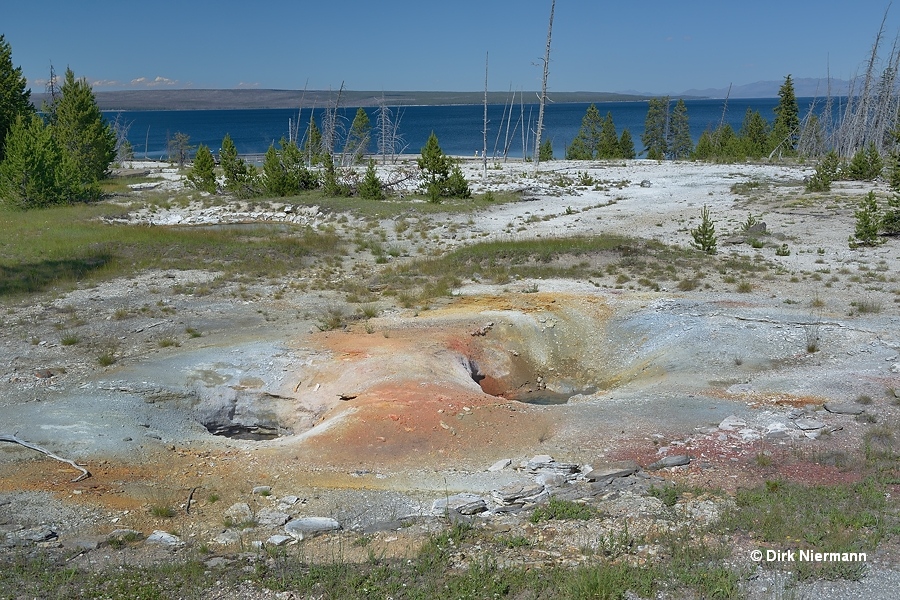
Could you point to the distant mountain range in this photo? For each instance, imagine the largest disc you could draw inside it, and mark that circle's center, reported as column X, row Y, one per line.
column 194, row 99
column 188, row 99
column 804, row 87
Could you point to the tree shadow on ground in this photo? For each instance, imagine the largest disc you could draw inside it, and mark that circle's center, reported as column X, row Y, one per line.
column 34, row 277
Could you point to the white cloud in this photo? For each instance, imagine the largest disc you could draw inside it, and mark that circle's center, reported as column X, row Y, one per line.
column 155, row 82
column 106, row 83
column 164, row 81
column 244, row 85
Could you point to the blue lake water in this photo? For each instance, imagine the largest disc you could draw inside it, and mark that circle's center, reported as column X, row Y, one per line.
column 458, row 127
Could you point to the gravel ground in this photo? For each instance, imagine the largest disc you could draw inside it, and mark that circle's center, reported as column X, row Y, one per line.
column 674, row 365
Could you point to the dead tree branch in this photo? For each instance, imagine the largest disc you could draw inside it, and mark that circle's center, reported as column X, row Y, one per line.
column 15, row 440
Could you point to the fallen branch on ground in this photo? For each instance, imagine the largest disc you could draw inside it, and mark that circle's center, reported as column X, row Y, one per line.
column 13, row 439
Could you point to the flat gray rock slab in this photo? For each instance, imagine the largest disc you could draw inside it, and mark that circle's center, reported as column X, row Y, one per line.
column 271, row 517
column 516, row 493
column 613, row 470
column 304, row 526
column 500, row 465
column 677, row 460
column 228, row 537
column 239, row 512
column 732, row 423
column 809, row 424
column 454, row 502
column 278, row 540
column 844, row 408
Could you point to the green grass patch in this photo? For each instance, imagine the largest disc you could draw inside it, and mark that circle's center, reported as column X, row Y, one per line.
column 393, row 207
column 562, row 510
column 41, row 249
column 834, row 518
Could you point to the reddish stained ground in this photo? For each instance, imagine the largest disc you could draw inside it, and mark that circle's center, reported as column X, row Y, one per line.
column 761, row 399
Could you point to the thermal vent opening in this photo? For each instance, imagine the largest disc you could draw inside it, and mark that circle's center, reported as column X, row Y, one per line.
column 243, row 415
column 526, row 387
column 243, row 432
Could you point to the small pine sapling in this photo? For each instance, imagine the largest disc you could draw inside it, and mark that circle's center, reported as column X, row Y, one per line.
column 890, row 222
column 457, row 185
column 202, row 175
column 705, row 234
column 868, row 222
column 370, row 187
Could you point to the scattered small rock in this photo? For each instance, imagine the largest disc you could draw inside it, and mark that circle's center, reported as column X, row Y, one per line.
column 41, row 533
column 239, row 512
column 278, row 540
column 123, row 535
column 500, row 465
column 163, row 538
column 481, row 331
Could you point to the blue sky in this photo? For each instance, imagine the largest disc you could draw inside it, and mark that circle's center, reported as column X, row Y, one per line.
column 652, row 46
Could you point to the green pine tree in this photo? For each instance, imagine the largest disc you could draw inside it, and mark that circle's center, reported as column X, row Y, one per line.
column 866, row 164
column 331, row 186
column 81, row 130
column 786, row 128
column 15, row 97
column 754, row 134
column 299, row 177
column 608, row 144
column 370, row 186
column 546, row 151
column 890, row 221
column 705, row 234
column 240, row 178
column 868, row 221
column 705, row 149
column 435, row 167
column 203, row 173
column 626, row 145
column 275, row 178
column 679, row 144
column 457, row 185
column 655, row 135
column 587, row 143
column 358, row 139
column 37, row 171
column 312, row 149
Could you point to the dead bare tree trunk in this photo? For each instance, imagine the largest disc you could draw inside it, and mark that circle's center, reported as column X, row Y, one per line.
column 331, row 125
column 540, row 123
column 484, row 130
column 506, row 105
column 120, row 129
column 722, row 120
column 870, row 116
column 389, row 139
